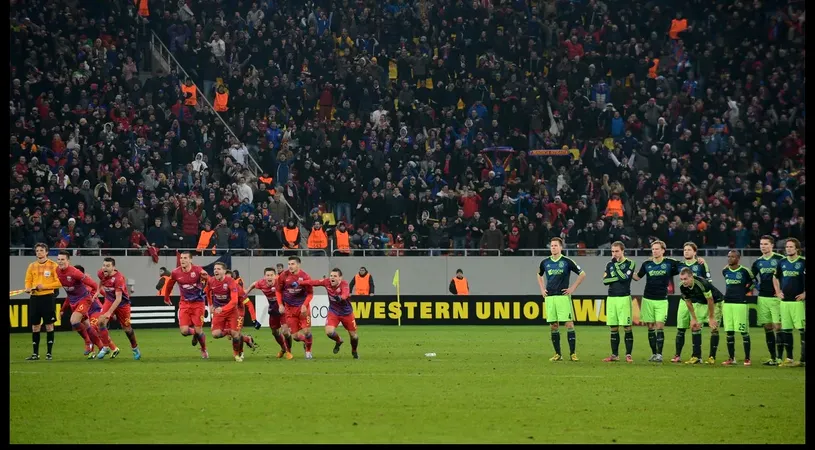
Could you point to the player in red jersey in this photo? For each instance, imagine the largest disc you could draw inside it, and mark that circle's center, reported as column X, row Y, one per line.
column 340, row 310
column 79, row 288
column 294, row 301
column 267, row 286
column 223, row 296
column 117, row 302
column 191, row 280
column 90, row 327
column 245, row 303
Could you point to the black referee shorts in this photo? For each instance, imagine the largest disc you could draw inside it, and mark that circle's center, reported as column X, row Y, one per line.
column 42, row 309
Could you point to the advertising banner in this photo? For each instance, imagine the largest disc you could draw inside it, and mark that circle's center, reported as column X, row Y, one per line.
column 151, row 312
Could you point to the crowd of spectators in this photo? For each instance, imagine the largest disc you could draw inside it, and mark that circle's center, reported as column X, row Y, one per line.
column 408, row 124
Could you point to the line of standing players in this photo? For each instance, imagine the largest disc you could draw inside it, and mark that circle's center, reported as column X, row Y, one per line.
column 779, row 281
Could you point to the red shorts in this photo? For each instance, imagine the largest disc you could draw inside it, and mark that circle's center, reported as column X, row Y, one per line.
column 94, row 319
column 294, row 321
column 82, row 307
column 228, row 320
column 275, row 318
column 122, row 312
column 348, row 321
column 190, row 314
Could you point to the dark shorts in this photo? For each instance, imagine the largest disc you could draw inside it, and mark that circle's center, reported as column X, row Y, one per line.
column 42, row 309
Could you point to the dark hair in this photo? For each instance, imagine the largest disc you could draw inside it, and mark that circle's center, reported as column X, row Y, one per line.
column 81, row 269
column 558, row 240
column 686, row 271
column 269, row 269
column 222, row 264
column 295, row 258
column 110, row 260
column 65, row 253
column 337, row 269
column 691, row 245
column 769, row 238
column 795, row 242
column 41, row 244
column 187, row 252
column 235, row 273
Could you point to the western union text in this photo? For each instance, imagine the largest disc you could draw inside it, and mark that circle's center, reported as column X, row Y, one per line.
column 585, row 310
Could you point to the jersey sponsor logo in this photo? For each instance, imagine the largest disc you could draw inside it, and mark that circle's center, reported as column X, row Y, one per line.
column 188, row 286
column 768, row 270
column 736, row 280
column 657, row 273
column 551, row 272
column 791, row 273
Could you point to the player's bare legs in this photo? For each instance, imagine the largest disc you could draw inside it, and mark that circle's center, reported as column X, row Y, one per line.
column 197, row 333
column 304, row 335
column 89, row 333
column 104, row 335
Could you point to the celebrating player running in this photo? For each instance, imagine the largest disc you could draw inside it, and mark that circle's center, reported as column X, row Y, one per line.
column 294, row 301
column 223, row 296
column 79, row 288
column 190, row 279
column 117, row 302
column 267, row 286
column 340, row 310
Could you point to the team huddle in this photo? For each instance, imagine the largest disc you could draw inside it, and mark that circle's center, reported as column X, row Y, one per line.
column 779, row 281
column 289, row 293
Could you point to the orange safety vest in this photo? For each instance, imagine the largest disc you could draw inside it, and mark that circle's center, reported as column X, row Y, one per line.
column 204, row 239
column 461, row 286
column 677, row 26
column 317, row 239
column 239, row 281
column 143, row 10
column 268, row 181
column 291, row 235
column 615, row 207
column 362, row 285
column 343, row 243
column 221, row 100
column 163, row 289
column 193, row 99
column 652, row 72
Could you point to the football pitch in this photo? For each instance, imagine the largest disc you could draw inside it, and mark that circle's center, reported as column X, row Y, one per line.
column 487, row 384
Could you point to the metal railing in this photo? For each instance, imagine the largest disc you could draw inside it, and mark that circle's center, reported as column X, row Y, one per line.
column 331, row 251
column 163, row 54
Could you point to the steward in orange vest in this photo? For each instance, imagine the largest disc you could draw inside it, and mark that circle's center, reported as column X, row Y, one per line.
column 221, row 99
column 144, row 11
column 317, row 239
column 291, row 235
column 205, row 239
column 459, row 284
column 363, row 283
column 614, row 207
column 342, row 241
column 161, row 287
column 190, row 93
column 269, row 182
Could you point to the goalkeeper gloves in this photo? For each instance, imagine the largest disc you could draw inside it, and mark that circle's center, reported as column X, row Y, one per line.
column 257, row 325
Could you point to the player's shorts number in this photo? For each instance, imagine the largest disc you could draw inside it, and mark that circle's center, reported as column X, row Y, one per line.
column 742, row 328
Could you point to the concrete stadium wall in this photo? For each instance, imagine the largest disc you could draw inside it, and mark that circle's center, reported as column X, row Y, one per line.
column 418, row 275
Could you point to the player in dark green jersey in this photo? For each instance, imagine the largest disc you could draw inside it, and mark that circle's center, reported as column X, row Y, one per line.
column 738, row 283
column 697, row 293
column 699, row 268
column 660, row 271
column 768, row 305
column 617, row 277
column 557, row 295
column 790, row 287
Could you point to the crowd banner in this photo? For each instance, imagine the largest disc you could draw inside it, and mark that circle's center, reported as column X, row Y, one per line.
column 151, row 312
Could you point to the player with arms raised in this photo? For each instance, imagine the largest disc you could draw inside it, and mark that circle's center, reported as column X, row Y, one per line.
column 660, row 271
column 80, row 289
column 700, row 269
column 340, row 310
column 191, row 280
column 618, row 303
column 738, row 283
column 697, row 293
column 117, row 302
column 557, row 295
column 768, row 305
column 790, row 287
column 267, row 286
column 294, row 301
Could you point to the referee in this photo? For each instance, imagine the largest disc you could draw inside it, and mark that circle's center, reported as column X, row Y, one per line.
column 42, row 283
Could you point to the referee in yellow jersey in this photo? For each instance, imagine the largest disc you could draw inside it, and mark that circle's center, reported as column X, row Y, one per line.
column 42, row 283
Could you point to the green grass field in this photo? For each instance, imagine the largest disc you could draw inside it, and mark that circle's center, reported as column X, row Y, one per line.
column 487, row 384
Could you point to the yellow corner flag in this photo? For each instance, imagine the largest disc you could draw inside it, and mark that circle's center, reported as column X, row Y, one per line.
column 398, row 299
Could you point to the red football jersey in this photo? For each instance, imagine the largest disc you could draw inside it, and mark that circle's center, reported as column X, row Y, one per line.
column 223, row 291
column 290, row 291
column 112, row 284
column 76, row 283
column 190, row 284
column 337, row 296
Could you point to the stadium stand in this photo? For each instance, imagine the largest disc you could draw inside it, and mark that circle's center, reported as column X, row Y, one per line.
column 381, row 126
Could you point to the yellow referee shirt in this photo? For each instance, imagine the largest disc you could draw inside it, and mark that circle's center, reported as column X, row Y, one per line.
column 44, row 273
